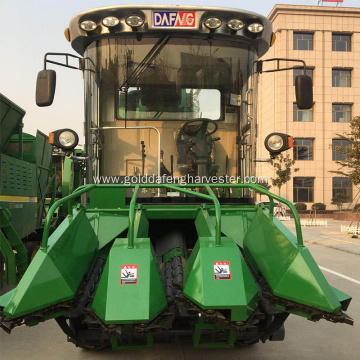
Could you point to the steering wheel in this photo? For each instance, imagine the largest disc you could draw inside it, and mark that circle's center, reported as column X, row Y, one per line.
column 201, row 128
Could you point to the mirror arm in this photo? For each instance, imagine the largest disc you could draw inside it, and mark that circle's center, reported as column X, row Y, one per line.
column 259, row 65
column 81, row 61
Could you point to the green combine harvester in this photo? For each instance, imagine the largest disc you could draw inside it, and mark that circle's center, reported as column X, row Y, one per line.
column 163, row 239
column 25, row 182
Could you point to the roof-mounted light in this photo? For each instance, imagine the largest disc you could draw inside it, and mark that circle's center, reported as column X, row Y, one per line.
column 88, row 25
column 110, row 21
column 255, row 28
column 212, row 23
column 235, row 24
column 134, row 20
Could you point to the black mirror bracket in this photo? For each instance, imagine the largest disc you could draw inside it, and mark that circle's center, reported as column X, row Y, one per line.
column 46, row 80
column 303, row 83
column 81, row 65
column 260, row 70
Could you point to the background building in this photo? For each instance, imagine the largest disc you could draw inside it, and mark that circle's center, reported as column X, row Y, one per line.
column 328, row 39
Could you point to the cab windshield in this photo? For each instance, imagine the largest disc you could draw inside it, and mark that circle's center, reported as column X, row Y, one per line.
column 187, row 79
column 189, row 111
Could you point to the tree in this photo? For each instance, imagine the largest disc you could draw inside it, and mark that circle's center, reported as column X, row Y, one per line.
column 350, row 164
column 339, row 200
column 282, row 165
column 264, row 183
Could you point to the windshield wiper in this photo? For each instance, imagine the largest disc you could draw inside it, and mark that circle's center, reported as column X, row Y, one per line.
column 146, row 61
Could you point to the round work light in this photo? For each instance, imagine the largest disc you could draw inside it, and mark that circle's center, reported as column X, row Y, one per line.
column 65, row 139
column 134, row 20
column 212, row 23
column 235, row 24
column 276, row 143
column 88, row 25
column 255, row 28
column 110, row 21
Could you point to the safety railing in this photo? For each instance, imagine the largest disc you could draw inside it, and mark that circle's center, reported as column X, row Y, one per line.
column 185, row 189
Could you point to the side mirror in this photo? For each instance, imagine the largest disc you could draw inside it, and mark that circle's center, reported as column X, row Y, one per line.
column 45, row 87
column 304, row 92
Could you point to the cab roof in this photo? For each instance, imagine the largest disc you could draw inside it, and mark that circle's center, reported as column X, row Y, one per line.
column 80, row 39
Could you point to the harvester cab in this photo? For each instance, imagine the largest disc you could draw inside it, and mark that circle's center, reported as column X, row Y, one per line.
column 165, row 239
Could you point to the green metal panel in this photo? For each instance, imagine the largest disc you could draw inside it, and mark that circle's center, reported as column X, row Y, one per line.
column 341, row 296
column 55, row 273
column 236, row 232
column 240, row 294
column 9, row 259
column 204, row 225
column 108, row 198
column 4, row 299
column 15, row 262
column 43, row 157
column 107, row 226
column 117, row 303
column 28, row 146
column 18, row 193
column 18, row 177
column 11, row 117
column 290, row 270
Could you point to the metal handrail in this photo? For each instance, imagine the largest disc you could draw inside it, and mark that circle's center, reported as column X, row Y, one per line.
column 180, row 188
column 131, row 232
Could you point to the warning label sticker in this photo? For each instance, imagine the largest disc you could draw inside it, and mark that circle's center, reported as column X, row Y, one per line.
column 129, row 274
column 222, row 270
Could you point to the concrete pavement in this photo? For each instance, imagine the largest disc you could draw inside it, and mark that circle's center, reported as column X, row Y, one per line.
column 329, row 236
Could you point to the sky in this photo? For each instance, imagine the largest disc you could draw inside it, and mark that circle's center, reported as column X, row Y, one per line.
column 32, row 28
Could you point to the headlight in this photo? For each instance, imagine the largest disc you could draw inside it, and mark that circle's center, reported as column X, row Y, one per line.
column 65, row 139
column 255, row 28
column 88, row 25
column 235, row 24
column 276, row 143
column 212, row 23
column 134, row 20
column 110, row 21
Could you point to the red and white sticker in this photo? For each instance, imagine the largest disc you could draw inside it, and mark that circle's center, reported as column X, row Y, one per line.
column 129, row 274
column 222, row 270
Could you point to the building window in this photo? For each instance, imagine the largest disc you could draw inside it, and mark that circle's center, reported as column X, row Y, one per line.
column 341, row 42
column 336, row 144
column 299, row 71
column 303, row 189
column 341, row 113
column 341, row 78
column 303, row 149
column 302, row 115
column 343, row 186
column 303, row 41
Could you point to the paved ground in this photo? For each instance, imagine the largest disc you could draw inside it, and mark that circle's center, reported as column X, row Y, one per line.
column 330, row 236
column 304, row 339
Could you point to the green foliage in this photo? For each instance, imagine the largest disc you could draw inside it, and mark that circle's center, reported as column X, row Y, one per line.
column 282, row 165
column 300, row 206
column 350, row 167
column 318, row 206
column 357, row 206
column 339, row 199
